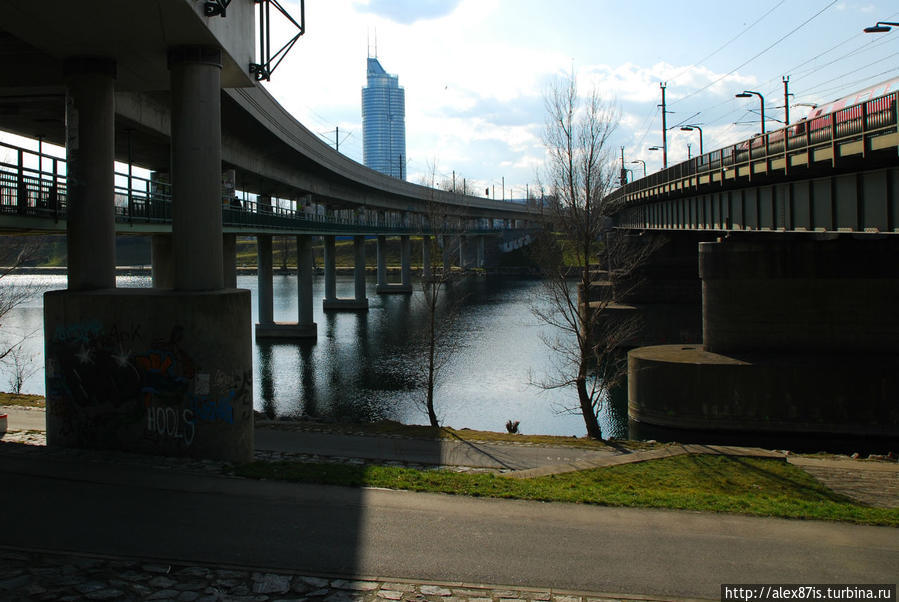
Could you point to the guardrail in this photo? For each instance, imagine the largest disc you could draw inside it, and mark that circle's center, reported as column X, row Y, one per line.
column 33, row 184
column 820, row 139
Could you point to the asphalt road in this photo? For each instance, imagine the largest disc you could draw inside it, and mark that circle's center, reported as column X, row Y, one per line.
column 163, row 514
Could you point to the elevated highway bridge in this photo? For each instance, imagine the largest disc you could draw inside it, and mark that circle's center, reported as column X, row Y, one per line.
column 795, row 238
column 173, row 87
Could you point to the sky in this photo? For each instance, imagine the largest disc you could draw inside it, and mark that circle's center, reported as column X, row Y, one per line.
column 475, row 72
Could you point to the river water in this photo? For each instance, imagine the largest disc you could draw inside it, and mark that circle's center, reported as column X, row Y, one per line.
column 366, row 366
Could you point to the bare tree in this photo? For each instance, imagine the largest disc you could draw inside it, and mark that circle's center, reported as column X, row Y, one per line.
column 579, row 174
column 441, row 313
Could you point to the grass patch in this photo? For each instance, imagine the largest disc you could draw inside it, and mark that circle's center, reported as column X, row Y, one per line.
column 28, row 401
column 697, row 482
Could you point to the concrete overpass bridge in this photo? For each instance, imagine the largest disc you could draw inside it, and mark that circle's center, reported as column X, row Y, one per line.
column 795, row 237
column 171, row 86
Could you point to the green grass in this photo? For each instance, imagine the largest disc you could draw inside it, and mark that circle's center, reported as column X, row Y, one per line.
column 697, row 482
column 28, row 401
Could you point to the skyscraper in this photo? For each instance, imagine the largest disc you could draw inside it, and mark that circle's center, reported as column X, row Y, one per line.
column 384, row 122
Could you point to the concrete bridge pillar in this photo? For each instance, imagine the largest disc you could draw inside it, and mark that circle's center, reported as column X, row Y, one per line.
column 462, row 264
column 405, row 259
column 265, row 301
column 382, row 261
column 90, row 153
column 163, row 272
column 304, row 327
column 799, row 340
column 180, row 359
column 330, row 250
column 229, row 260
column 447, row 266
column 196, row 167
column 359, row 269
column 384, row 284
column 426, row 270
column 359, row 302
column 482, row 250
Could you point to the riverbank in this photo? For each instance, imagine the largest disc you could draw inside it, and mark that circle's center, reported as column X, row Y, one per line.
column 700, row 478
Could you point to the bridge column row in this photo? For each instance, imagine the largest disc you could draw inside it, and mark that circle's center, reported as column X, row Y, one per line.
column 405, row 284
column 200, row 329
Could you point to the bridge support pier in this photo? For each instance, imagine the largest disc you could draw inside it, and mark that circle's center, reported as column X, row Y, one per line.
column 90, row 155
column 403, row 287
column 798, row 341
column 331, row 302
column 447, row 265
column 304, row 327
column 229, row 260
column 162, row 268
column 427, row 271
column 148, row 370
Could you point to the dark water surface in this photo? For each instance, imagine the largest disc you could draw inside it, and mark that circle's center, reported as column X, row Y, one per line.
column 366, row 366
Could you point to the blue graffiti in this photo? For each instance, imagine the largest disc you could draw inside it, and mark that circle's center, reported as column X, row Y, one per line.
column 213, row 410
column 77, row 333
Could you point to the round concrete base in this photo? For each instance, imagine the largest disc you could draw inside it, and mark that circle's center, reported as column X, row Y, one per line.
column 685, row 387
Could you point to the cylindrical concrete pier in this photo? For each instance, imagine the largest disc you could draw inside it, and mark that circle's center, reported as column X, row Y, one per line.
column 330, row 250
column 90, row 155
column 196, row 167
column 264, row 276
column 163, row 272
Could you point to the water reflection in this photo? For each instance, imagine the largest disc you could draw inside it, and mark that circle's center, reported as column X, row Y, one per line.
column 364, row 366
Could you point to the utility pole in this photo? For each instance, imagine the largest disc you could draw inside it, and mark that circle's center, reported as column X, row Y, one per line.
column 689, row 152
column 504, row 188
column 623, row 176
column 786, row 80
column 663, row 85
column 337, row 138
column 454, row 181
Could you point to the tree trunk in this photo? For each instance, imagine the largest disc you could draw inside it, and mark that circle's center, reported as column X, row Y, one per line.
column 590, row 421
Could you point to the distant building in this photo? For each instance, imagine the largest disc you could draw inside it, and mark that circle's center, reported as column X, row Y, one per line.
column 384, row 122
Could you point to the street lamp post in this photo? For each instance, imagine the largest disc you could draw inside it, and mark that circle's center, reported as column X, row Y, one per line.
column 749, row 94
column 644, row 165
column 690, row 128
column 881, row 27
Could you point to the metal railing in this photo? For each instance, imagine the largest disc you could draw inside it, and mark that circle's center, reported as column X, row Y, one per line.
column 33, row 184
column 860, row 122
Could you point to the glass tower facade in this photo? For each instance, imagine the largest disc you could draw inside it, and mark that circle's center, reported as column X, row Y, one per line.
column 384, row 122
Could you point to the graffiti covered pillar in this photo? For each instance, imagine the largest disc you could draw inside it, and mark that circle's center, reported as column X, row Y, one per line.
column 154, row 370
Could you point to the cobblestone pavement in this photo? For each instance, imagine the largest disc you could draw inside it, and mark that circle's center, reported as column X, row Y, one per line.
column 40, row 576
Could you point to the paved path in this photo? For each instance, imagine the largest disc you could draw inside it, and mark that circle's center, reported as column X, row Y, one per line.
column 105, row 506
column 874, row 483
column 440, row 452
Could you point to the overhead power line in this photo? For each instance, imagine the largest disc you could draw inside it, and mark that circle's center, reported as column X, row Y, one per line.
column 740, row 66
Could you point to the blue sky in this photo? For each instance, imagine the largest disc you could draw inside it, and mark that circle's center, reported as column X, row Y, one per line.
column 475, row 71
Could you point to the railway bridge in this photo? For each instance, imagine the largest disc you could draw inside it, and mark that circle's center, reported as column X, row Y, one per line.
column 173, row 86
column 795, row 238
